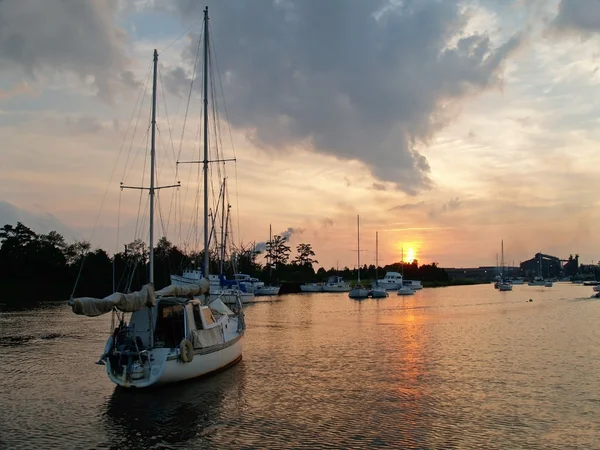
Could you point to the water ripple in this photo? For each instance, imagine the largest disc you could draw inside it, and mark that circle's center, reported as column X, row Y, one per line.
column 461, row 367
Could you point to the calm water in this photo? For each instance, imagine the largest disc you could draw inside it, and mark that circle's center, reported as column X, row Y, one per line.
column 460, row 367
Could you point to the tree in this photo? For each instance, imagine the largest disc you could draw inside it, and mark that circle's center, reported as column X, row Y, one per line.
column 305, row 254
column 277, row 252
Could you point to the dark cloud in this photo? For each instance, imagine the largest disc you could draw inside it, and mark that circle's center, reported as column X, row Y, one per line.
column 358, row 79
column 378, row 187
column 75, row 36
column 407, row 206
column 578, row 16
column 451, row 205
column 40, row 222
column 326, row 222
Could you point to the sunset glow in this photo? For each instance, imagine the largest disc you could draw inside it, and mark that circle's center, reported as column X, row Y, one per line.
column 410, row 255
column 425, row 187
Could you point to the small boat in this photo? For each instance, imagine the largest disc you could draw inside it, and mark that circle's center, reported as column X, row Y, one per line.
column 413, row 284
column 266, row 290
column 537, row 281
column 391, row 281
column 547, row 283
column 311, row 287
column 358, row 292
column 376, row 290
column 336, row 284
column 405, row 290
column 504, row 286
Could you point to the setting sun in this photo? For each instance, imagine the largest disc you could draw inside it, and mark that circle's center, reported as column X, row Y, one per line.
column 410, row 255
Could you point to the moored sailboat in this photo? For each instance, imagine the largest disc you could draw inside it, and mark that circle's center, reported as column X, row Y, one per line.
column 175, row 333
column 358, row 291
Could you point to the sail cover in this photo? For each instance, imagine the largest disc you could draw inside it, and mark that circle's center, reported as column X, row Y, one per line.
column 92, row 307
column 198, row 288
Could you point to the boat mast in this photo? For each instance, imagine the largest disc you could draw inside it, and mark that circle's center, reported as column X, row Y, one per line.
column 205, row 162
column 402, row 264
column 358, row 240
column 223, row 231
column 376, row 255
column 502, row 260
column 152, row 157
column 269, row 262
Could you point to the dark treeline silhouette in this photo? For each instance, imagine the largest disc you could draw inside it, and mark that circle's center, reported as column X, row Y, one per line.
column 45, row 267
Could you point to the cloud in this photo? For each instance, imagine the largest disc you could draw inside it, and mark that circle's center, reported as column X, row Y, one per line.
column 407, row 206
column 39, row 222
column 359, row 80
column 379, row 187
column 581, row 16
column 20, row 89
column 449, row 206
column 38, row 38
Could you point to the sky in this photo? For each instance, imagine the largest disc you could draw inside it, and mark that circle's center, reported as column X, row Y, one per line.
column 448, row 126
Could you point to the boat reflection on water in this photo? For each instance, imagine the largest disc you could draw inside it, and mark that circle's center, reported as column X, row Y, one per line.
column 180, row 414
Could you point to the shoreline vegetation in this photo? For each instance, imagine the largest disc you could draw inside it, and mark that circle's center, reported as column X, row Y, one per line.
column 45, row 267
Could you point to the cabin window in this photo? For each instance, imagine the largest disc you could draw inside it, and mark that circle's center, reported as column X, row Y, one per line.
column 170, row 325
column 208, row 317
column 197, row 317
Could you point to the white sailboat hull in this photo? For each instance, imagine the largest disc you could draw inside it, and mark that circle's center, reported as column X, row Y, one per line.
column 267, row 290
column 405, row 291
column 379, row 292
column 358, row 293
column 336, row 288
column 311, row 288
column 168, row 367
column 229, row 296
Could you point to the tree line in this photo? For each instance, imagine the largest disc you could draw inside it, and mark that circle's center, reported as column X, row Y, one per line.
column 45, row 266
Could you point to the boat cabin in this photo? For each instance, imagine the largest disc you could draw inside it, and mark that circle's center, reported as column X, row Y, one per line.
column 392, row 277
column 176, row 319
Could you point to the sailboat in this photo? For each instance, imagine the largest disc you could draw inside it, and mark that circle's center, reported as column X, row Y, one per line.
column 175, row 333
column 377, row 291
column 404, row 290
column 538, row 280
column 358, row 291
column 503, row 285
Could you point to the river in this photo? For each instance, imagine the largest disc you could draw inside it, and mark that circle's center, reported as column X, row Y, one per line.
column 462, row 367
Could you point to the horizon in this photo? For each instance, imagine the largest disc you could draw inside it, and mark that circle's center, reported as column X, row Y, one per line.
column 467, row 123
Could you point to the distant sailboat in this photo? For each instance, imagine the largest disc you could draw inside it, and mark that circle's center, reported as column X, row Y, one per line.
column 504, row 284
column 404, row 290
column 377, row 291
column 358, row 291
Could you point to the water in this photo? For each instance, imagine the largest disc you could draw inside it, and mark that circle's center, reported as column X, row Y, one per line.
column 460, row 367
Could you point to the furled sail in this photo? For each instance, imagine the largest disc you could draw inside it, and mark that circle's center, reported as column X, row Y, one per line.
column 200, row 287
column 92, row 307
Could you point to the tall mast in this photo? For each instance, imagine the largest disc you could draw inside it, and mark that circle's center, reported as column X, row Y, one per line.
column 223, row 231
column 358, row 252
column 376, row 254
column 269, row 262
column 152, row 157
column 152, row 187
column 402, row 264
column 502, row 260
column 205, row 162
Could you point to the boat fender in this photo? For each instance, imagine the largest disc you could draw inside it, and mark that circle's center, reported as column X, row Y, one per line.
column 186, row 351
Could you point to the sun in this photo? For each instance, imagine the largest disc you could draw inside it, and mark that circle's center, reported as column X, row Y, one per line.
column 410, row 255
